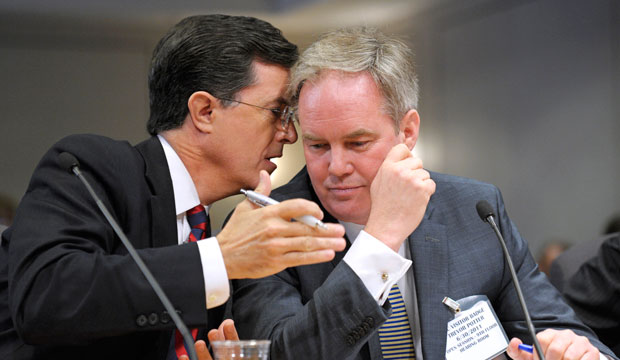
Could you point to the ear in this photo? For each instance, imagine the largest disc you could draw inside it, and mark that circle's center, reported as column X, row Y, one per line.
column 409, row 128
column 201, row 105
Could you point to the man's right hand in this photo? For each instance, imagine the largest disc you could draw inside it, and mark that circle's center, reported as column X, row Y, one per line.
column 260, row 242
column 226, row 331
column 399, row 194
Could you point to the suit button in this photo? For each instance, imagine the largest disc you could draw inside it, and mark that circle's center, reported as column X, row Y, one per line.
column 350, row 340
column 141, row 320
column 165, row 317
column 370, row 321
column 153, row 319
column 366, row 326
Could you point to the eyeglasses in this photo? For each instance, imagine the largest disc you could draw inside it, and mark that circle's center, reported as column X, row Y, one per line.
column 285, row 113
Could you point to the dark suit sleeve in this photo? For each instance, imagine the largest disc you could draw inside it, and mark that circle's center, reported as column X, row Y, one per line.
column 332, row 323
column 545, row 304
column 70, row 279
column 594, row 292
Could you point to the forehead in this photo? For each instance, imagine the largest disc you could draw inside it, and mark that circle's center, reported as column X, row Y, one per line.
column 341, row 101
column 269, row 82
column 333, row 86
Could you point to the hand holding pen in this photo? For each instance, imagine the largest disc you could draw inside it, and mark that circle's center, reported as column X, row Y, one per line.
column 264, row 200
column 555, row 344
column 260, row 242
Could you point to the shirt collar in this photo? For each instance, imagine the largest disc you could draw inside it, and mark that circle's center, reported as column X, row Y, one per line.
column 185, row 193
column 352, row 229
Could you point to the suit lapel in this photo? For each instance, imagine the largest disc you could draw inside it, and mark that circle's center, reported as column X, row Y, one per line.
column 157, row 174
column 340, row 254
column 429, row 253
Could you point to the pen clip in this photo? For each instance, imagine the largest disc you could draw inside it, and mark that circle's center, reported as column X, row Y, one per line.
column 452, row 305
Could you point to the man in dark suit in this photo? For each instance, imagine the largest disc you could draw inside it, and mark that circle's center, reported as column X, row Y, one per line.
column 593, row 291
column 356, row 93
column 217, row 116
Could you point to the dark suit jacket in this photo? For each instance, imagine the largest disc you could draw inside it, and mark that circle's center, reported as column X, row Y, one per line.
column 567, row 263
column 324, row 311
column 73, row 291
column 594, row 292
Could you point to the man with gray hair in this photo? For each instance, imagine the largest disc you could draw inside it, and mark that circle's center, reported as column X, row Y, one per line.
column 356, row 97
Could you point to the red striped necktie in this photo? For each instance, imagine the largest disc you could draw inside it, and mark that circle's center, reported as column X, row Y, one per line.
column 200, row 229
column 199, row 222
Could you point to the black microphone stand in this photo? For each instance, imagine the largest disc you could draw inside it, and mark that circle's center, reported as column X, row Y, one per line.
column 486, row 214
column 72, row 164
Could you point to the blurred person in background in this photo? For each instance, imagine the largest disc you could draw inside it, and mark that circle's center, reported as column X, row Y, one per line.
column 549, row 253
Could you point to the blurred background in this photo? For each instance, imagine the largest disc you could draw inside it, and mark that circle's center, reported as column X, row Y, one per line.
column 523, row 94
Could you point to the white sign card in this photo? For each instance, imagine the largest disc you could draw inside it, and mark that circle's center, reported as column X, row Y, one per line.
column 475, row 333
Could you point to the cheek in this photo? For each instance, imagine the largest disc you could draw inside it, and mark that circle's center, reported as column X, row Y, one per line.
column 261, row 137
column 317, row 168
column 369, row 165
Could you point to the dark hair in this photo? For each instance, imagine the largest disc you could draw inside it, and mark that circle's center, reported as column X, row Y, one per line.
column 212, row 53
column 612, row 225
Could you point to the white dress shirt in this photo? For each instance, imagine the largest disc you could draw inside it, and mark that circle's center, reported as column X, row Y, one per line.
column 378, row 266
column 186, row 197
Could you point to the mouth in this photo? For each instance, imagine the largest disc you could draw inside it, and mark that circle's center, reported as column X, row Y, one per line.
column 343, row 190
column 271, row 163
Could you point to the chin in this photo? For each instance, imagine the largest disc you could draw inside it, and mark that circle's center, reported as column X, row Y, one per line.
column 348, row 214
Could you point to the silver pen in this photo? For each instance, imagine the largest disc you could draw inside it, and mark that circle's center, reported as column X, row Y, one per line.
column 262, row 201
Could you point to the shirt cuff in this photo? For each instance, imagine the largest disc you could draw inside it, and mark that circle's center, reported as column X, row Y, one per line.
column 378, row 266
column 216, row 287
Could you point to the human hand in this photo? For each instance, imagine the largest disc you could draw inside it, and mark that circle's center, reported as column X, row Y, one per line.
column 399, row 195
column 556, row 345
column 201, row 351
column 226, row 331
column 260, row 242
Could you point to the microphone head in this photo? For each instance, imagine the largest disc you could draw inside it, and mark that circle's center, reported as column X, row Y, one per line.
column 68, row 161
column 484, row 210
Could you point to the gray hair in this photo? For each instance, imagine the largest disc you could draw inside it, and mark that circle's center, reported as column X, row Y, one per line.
column 351, row 50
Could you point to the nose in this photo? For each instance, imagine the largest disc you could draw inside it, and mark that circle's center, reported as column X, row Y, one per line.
column 288, row 136
column 339, row 165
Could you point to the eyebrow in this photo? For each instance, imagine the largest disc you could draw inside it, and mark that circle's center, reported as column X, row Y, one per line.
column 278, row 101
column 352, row 135
column 358, row 133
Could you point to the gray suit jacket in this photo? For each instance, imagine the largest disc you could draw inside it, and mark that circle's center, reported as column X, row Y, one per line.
column 324, row 311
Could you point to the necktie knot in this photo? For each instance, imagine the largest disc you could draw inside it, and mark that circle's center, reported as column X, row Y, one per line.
column 199, row 223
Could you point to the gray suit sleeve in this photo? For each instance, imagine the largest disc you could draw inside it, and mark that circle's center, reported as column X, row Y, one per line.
column 334, row 322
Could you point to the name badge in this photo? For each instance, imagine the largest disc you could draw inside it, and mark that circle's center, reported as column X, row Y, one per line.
column 475, row 333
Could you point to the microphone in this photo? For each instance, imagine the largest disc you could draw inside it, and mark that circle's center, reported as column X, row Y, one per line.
column 71, row 164
column 485, row 211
